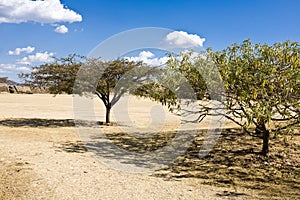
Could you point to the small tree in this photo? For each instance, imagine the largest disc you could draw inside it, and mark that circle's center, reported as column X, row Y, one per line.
column 109, row 80
column 97, row 76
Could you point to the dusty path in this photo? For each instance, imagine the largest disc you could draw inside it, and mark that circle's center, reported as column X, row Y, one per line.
column 47, row 163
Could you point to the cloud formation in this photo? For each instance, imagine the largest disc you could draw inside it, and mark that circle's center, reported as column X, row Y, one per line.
column 148, row 57
column 18, row 51
column 47, row 11
column 181, row 39
column 38, row 57
column 61, row 29
column 12, row 67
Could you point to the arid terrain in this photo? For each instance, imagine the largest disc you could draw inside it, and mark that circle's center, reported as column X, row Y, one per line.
column 42, row 156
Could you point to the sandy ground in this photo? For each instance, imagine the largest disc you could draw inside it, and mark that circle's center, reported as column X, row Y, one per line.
column 41, row 162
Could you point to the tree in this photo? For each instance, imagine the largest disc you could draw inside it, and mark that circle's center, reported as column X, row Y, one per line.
column 262, row 86
column 57, row 77
column 96, row 77
column 3, row 79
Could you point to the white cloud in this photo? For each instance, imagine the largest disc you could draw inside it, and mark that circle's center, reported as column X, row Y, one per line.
column 181, row 39
column 148, row 57
column 38, row 57
column 61, row 29
column 12, row 67
column 47, row 11
column 23, row 69
column 193, row 55
column 8, row 66
column 18, row 51
column 76, row 30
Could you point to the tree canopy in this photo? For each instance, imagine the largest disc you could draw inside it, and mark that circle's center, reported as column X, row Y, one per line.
column 90, row 76
column 261, row 86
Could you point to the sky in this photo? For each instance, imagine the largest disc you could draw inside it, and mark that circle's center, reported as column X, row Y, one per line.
column 33, row 32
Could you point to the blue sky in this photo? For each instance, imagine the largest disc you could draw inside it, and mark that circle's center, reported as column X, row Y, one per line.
column 31, row 37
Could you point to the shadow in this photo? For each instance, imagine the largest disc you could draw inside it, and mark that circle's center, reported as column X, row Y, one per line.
column 73, row 147
column 35, row 122
column 150, row 142
column 235, row 160
column 102, row 123
column 230, row 194
column 146, row 153
column 52, row 123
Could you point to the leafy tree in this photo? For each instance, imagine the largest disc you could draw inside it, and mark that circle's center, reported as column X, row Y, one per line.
column 261, row 83
column 57, row 77
column 96, row 77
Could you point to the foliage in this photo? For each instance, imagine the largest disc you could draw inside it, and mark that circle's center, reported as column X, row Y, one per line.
column 179, row 79
column 258, row 85
column 58, row 77
column 89, row 76
column 262, row 84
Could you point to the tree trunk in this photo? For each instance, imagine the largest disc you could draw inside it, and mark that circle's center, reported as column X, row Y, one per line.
column 107, row 117
column 262, row 130
column 266, row 137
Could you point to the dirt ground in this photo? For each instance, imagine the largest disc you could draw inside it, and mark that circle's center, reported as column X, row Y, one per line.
column 42, row 156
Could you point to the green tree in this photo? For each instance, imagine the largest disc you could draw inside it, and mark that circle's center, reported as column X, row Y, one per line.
column 96, row 77
column 57, row 77
column 261, row 86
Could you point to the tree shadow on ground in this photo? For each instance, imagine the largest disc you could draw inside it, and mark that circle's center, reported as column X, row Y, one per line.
column 230, row 194
column 35, row 122
column 51, row 123
column 72, row 147
column 235, row 161
column 146, row 153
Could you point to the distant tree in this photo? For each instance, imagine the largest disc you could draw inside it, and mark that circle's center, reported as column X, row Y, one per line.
column 97, row 76
column 3, row 79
